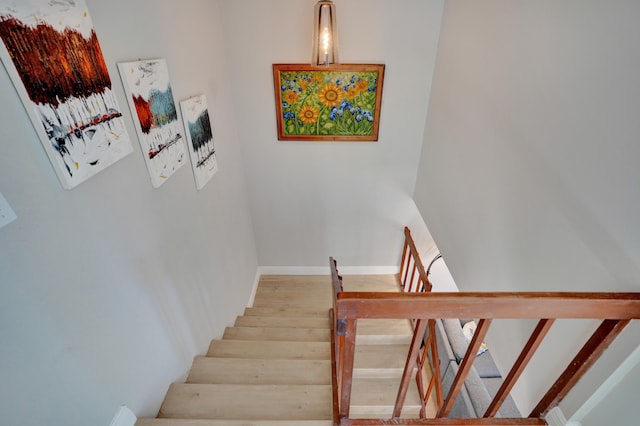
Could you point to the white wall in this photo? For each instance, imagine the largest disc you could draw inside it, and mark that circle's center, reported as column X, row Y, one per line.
column 313, row 200
column 108, row 290
column 528, row 177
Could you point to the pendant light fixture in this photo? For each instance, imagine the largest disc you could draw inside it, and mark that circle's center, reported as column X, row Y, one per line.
column 325, row 34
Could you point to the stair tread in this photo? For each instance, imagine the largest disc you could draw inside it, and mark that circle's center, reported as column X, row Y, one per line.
column 384, row 326
column 287, row 322
column 385, row 283
column 283, row 334
column 269, row 349
column 279, row 301
column 381, row 392
column 375, row 398
column 289, row 291
column 383, row 331
column 300, row 312
column 383, row 412
column 247, row 402
column 380, row 356
column 259, row 371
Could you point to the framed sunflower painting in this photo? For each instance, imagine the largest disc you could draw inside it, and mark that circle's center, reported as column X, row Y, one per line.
column 328, row 103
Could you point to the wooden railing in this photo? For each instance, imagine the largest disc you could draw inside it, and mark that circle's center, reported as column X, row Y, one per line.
column 412, row 276
column 615, row 310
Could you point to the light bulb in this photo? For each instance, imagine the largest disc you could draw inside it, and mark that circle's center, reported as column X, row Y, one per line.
column 326, row 40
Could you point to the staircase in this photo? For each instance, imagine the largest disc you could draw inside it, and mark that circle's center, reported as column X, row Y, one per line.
column 273, row 366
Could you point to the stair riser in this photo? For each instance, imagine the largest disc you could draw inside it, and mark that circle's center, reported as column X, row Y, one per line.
column 291, row 312
column 283, row 322
column 269, row 350
column 278, row 334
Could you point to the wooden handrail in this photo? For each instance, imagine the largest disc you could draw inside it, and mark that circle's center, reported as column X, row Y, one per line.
column 525, row 305
column 615, row 309
column 411, row 261
column 334, row 372
column 336, row 279
column 416, row 303
column 445, row 422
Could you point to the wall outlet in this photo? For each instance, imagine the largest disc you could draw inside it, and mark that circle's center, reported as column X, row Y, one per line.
column 7, row 215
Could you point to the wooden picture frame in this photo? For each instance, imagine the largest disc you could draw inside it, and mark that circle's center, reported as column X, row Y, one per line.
column 328, row 103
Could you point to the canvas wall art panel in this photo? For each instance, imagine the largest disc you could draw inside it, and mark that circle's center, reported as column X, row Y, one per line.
column 52, row 55
column 197, row 124
column 339, row 102
column 148, row 90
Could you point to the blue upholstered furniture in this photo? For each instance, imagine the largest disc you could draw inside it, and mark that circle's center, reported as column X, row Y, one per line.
column 483, row 381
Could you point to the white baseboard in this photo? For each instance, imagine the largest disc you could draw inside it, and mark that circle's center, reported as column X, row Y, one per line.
column 124, row 417
column 555, row 417
column 324, row 270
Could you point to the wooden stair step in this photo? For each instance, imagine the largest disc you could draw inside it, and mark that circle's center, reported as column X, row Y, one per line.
column 306, row 284
column 260, row 371
column 385, row 283
column 210, row 422
column 382, row 339
column 322, row 312
column 304, row 322
column 298, row 300
column 383, row 331
column 248, row 402
column 380, row 361
column 385, row 412
column 263, row 349
column 280, row 334
column 377, row 397
column 380, row 356
column 384, row 326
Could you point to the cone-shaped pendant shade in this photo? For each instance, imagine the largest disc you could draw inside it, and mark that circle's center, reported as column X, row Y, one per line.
column 325, row 34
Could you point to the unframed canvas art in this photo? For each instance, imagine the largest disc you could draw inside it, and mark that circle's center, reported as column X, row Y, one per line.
column 199, row 139
column 148, row 90
column 51, row 52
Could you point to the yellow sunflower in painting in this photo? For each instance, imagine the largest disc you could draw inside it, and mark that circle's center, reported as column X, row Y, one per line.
column 290, row 96
column 308, row 114
column 362, row 85
column 330, row 95
column 352, row 93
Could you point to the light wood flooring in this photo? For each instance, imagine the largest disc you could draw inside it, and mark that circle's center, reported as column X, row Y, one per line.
column 273, row 366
